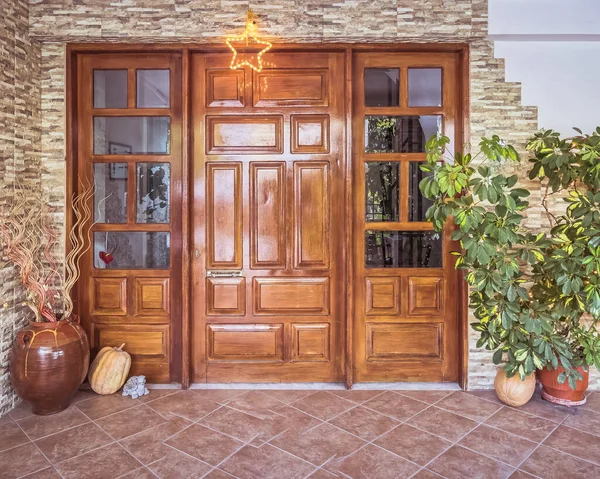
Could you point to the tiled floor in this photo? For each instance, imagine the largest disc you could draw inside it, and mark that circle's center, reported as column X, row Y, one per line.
column 220, row 434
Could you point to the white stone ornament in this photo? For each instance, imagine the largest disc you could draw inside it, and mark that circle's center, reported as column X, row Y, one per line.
column 135, row 387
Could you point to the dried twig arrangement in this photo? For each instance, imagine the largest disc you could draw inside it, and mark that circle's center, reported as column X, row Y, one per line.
column 28, row 236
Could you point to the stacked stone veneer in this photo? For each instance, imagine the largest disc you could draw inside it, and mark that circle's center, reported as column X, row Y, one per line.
column 495, row 105
column 20, row 142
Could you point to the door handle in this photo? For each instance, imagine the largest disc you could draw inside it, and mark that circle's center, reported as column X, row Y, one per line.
column 224, row 274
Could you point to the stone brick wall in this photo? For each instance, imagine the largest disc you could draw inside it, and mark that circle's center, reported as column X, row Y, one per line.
column 20, row 141
column 495, row 105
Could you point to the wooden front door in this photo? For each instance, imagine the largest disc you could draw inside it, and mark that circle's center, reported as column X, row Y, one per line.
column 406, row 289
column 268, row 215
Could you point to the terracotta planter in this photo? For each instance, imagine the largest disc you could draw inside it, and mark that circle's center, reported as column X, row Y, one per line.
column 49, row 362
column 558, row 393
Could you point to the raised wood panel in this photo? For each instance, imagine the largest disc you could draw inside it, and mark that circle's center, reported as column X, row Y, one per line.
column 404, row 341
column 291, row 87
column 110, row 296
column 267, row 209
column 291, row 296
column 244, row 135
column 382, row 296
column 225, row 88
column 143, row 341
column 310, row 342
column 245, row 342
column 425, row 296
column 152, row 297
column 226, row 296
column 310, row 133
column 224, row 215
column 311, row 218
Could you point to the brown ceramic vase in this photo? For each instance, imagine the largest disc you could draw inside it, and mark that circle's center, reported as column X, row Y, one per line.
column 49, row 362
column 561, row 393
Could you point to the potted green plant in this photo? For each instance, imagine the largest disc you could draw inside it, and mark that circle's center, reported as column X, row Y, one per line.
column 535, row 295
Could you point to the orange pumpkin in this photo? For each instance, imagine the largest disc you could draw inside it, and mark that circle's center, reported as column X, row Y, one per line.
column 513, row 391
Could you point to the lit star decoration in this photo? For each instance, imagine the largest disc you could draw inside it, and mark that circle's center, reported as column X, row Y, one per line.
column 248, row 38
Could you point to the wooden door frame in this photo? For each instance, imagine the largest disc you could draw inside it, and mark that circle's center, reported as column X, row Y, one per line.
column 71, row 155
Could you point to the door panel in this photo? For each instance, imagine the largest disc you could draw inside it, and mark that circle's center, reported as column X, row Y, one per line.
column 406, row 288
column 129, row 144
column 268, row 156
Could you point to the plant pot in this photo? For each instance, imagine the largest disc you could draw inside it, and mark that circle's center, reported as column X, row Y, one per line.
column 49, row 362
column 513, row 391
column 558, row 393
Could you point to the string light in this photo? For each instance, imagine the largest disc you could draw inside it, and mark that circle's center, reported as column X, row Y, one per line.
column 249, row 37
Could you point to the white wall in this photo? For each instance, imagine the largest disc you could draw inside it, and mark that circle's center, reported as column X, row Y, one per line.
column 553, row 48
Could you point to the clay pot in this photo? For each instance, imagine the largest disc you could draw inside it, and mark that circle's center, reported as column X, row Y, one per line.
column 513, row 391
column 558, row 393
column 49, row 362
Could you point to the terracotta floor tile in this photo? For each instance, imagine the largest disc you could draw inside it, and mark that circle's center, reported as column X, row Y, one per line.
column 356, row 395
column 395, row 405
column 426, row 474
column 218, row 474
column 592, row 401
column 242, row 426
column 130, row 421
column 83, row 395
column 22, row 410
column 460, row 463
column 323, row 474
column 372, row 462
column 6, row 419
column 156, row 394
column 186, row 404
column 176, row 465
column 221, row 396
column 107, row 462
column 73, row 442
column 524, row 425
column 443, row 423
column 265, row 462
column 521, row 475
column 487, row 394
column 204, row 444
column 141, row 473
column 575, row 442
column 37, row 427
column 255, row 403
column 100, row 406
column 499, row 445
column 48, row 473
column 323, row 405
column 428, row 397
column 584, row 420
column 289, row 396
column 319, row 444
column 11, row 435
column 469, row 406
column 148, row 446
column 544, row 409
column 21, row 460
column 364, row 423
column 413, row 444
column 552, row 464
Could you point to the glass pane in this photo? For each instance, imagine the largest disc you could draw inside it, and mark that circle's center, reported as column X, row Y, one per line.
column 153, row 88
column 381, row 188
column 110, row 88
column 131, row 250
column 418, row 204
column 400, row 134
column 403, row 249
column 125, row 135
column 382, row 86
column 424, row 87
column 153, row 190
column 110, row 192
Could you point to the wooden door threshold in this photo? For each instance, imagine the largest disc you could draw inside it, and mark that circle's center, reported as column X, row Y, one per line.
column 408, row 386
column 285, row 386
